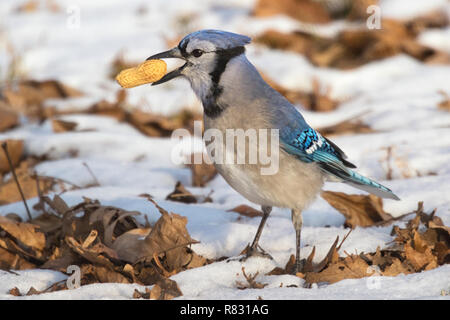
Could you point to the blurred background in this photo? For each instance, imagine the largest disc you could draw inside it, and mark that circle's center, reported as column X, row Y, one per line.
column 374, row 74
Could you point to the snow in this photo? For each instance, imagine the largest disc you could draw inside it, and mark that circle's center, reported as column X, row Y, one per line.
column 406, row 9
column 399, row 96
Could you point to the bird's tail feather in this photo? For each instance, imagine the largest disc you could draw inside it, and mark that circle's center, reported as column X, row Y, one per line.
column 358, row 181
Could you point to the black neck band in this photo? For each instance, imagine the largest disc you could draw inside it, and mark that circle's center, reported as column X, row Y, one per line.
column 211, row 107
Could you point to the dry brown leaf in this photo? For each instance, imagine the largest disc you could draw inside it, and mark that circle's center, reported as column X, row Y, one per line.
column 169, row 236
column 181, row 194
column 414, row 251
column 351, row 267
column 32, row 291
column 303, row 10
column 57, row 204
column 15, row 292
column 8, row 120
column 358, row 9
column 11, row 261
column 47, row 223
column 107, row 220
column 353, row 125
column 166, row 248
column 445, row 104
column 8, row 189
column 359, row 210
column 28, row 6
column 28, row 96
column 202, row 173
column 129, row 245
column 247, row 211
column 318, row 100
column 156, row 125
column 108, row 109
column 165, row 289
column 355, row 47
column 59, row 125
column 61, row 258
column 432, row 19
column 141, row 295
column 98, row 273
column 420, row 260
column 24, row 233
column 99, row 254
column 397, row 267
column 15, row 150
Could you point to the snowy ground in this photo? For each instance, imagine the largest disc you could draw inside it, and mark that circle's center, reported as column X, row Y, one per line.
column 400, row 95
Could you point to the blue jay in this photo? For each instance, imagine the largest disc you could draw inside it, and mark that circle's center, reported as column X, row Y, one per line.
column 234, row 96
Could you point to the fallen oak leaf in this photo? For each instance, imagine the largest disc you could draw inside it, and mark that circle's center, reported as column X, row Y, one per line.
column 47, row 222
column 202, row 172
column 93, row 273
column 181, row 194
column 15, row 292
column 445, row 104
column 13, row 261
column 351, row 267
column 93, row 254
column 60, row 126
column 170, row 236
column 32, row 291
column 359, row 210
column 8, row 119
column 129, row 245
column 15, row 149
column 165, row 289
column 246, row 211
column 24, row 233
column 302, row 10
column 141, row 295
column 8, row 189
column 420, row 260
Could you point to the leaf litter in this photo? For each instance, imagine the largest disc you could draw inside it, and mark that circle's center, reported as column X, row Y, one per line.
column 107, row 243
column 423, row 244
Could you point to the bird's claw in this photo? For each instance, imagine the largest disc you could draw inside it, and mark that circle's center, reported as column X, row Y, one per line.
column 298, row 267
column 255, row 251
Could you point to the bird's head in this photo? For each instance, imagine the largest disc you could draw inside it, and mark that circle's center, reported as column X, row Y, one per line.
column 206, row 53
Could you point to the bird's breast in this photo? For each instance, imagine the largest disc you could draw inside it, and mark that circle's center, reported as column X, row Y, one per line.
column 246, row 151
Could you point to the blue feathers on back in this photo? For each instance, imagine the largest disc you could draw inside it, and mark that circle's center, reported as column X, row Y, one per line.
column 309, row 146
column 318, row 148
column 306, row 139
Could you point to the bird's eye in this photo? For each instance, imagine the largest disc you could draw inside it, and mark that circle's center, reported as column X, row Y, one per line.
column 197, row 53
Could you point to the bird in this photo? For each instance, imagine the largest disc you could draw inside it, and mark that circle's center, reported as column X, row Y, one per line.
column 235, row 96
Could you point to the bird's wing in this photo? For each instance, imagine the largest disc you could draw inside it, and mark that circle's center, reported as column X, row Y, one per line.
column 310, row 146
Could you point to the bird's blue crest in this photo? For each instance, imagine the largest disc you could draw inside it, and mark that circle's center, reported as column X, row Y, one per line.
column 221, row 39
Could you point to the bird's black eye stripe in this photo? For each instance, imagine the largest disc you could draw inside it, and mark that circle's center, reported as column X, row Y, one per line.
column 182, row 46
column 197, row 53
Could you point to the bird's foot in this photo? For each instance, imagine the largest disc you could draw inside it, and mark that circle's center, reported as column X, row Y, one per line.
column 297, row 267
column 254, row 251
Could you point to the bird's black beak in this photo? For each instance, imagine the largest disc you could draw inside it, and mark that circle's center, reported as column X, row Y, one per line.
column 172, row 53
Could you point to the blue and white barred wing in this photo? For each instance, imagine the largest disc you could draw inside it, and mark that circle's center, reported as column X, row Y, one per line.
column 310, row 146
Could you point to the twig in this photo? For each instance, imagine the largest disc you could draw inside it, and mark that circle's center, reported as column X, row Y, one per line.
column 5, row 149
column 40, row 204
column 96, row 183
column 388, row 162
column 60, row 180
column 386, row 222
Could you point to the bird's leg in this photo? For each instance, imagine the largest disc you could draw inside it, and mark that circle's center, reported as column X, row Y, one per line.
column 297, row 220
column 255, row 249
